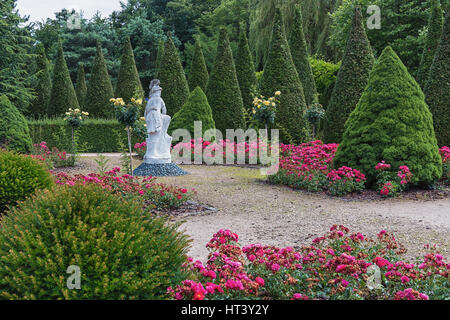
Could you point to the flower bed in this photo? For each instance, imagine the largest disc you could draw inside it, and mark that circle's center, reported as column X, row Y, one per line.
column 250, row 151
column 339, row 265
column 53, row 158
column 308, row 166
column 445, row 154
column 155, row 195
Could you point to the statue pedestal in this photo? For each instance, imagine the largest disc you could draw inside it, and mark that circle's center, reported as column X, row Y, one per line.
column 158, row 170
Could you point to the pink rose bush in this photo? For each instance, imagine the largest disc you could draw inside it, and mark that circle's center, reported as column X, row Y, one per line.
column 53, row 158
column 445, row 154
column 309, row 167
column 389, row 182
column 140, row 149
column 335, row 266
column 157, row 195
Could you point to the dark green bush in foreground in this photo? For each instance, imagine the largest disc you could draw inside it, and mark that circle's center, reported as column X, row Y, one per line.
column 121, row 252
column 20, row 177
column 14, row 131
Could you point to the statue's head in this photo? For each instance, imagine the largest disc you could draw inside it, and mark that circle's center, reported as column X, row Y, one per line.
column 154, row 87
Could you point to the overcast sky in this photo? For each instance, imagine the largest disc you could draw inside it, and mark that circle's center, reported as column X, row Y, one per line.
column 43, row 9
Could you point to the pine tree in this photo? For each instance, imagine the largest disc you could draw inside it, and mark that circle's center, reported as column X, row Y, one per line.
column 280, row 75
column 80, row 86
column 196, row 108
column 351, row 80
column 392, row 123
column 224, row 95
column 198, row 76
column 437, row 90
column 43, row 89
column 14, row 131
column 299, row 51
column 128, row 82
column 100, row 89
column 434, row 35
column 173, row 80
column 63, row 94
column 245, row 70
column 159, row 57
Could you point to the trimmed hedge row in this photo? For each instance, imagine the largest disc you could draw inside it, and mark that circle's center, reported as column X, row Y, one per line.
column 95, row 135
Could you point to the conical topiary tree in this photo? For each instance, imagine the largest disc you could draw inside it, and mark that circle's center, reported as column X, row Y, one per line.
column 63, row 94
column 280, row 75
column 224, row 95
column 198, row 76
column 245, row 70
column 437, row 90
column 80, row 86
column 434, row 35
column 159, row 57
column 43, row 89
column 100, row 89
column 299, row 51
column 392, row 123
column 14, row 131
column 196, row 108
column 350, row 82
column 173, row 80
column 128, row 82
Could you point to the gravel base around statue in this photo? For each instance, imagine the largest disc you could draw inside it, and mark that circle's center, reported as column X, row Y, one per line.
column 159, row 170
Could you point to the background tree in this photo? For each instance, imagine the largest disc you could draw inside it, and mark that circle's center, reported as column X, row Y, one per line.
column 128, row 82
column 80, row 86
column 280, row 75
column 224, row 95
column 402, row 25
column 100, row 89
column 15, row 44
column 437, row 89
column 173, row 80
column 351, row 80
column 433, row 37
column 245, row 70
column 198, row 75
column 63, row 94
column 14, row 131
column 39, row 106
column 392, row 123
column 299, row 53
column 159, row 57
column 196, row 108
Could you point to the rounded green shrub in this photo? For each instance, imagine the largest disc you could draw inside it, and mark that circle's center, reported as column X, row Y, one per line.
column 121, row 252
column 196, row 108
column 14, row 131
column 393, row 123
column 20, row 177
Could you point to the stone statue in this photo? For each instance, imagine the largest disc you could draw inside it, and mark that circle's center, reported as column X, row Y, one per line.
column 158, row 141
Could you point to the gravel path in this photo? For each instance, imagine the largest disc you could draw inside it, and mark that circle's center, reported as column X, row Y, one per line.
column 262, row 213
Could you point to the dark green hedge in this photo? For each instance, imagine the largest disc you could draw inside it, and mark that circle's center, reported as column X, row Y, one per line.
column 95, row 135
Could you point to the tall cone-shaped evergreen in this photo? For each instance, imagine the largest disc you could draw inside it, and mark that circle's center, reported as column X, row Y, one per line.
column 392, row 123
column 43, row 89
column 224, row 95
column 245, row 70
column 196, row 108
column 80, row 86
column 63, row 94
column 351, row 80
column 100, row 89
column 280, row 75
column 159, row 57
column 128, row 82
column 198, row 76
column 299, row 51
column 437, row 90
column 173, row 80
column 434, row 36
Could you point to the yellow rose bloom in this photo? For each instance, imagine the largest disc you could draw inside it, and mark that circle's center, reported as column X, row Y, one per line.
column 278, row 93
